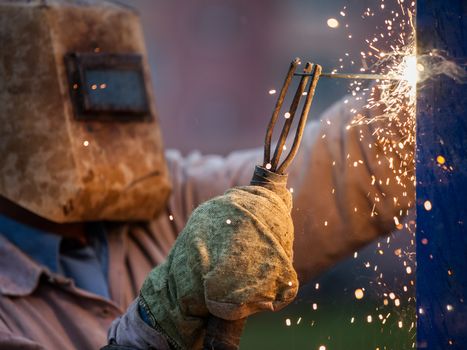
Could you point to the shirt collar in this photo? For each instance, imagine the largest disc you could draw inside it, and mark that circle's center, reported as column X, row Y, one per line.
column 43, row 247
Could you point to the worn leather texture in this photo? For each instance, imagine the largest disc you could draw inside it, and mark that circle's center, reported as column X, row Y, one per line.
column 54, row 165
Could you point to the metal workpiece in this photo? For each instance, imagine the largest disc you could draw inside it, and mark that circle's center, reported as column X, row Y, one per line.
column 441, row 172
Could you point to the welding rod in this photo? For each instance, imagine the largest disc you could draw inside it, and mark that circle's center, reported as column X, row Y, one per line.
column 354, row 76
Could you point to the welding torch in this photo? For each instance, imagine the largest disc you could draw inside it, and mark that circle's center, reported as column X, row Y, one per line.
column 224, row 334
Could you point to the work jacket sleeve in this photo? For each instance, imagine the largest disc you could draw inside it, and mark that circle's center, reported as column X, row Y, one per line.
column 130, row 331
column 348, row 189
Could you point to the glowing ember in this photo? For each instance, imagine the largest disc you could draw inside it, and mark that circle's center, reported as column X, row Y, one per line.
column 359, row 293
column 332, row 23
column 85, row 143
column 441, row 160
column 272, row 92
column 427, row 205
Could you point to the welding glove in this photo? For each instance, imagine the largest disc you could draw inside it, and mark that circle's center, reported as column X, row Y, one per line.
column 233, row 258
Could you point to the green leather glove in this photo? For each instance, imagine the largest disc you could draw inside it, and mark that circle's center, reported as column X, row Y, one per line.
column 233, row 259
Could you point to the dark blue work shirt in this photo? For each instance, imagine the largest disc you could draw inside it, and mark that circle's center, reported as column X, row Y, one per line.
column 86, row 265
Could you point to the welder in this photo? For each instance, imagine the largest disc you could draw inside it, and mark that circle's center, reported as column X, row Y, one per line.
column 91, row 205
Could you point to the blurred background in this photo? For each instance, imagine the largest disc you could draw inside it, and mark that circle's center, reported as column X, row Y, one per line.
column 213, row 64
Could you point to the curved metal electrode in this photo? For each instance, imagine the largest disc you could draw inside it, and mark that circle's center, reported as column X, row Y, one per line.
column 303, row 118
column 277, row 109
column 310, row 70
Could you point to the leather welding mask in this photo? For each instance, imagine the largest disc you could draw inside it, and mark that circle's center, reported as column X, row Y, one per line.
column 79, row 136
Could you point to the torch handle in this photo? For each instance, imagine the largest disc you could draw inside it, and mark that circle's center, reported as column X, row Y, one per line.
column 223, row 334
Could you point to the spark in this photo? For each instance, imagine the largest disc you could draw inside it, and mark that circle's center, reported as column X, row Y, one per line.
column 359, row 294
column 228, row 221
column 427, row 205
column 410, row 73
column 332, row 23
column 272, row 92
column 85, row 143
column 441, row 160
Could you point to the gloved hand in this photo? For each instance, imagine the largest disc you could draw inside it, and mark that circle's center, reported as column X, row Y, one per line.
column 233, row 258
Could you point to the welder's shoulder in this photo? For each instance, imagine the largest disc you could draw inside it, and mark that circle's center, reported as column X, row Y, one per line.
column 11, row 338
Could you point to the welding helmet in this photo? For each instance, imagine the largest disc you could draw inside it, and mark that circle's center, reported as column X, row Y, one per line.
column 79, row 136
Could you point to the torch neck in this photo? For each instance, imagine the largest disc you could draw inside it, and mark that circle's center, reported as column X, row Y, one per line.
column 274, row 182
